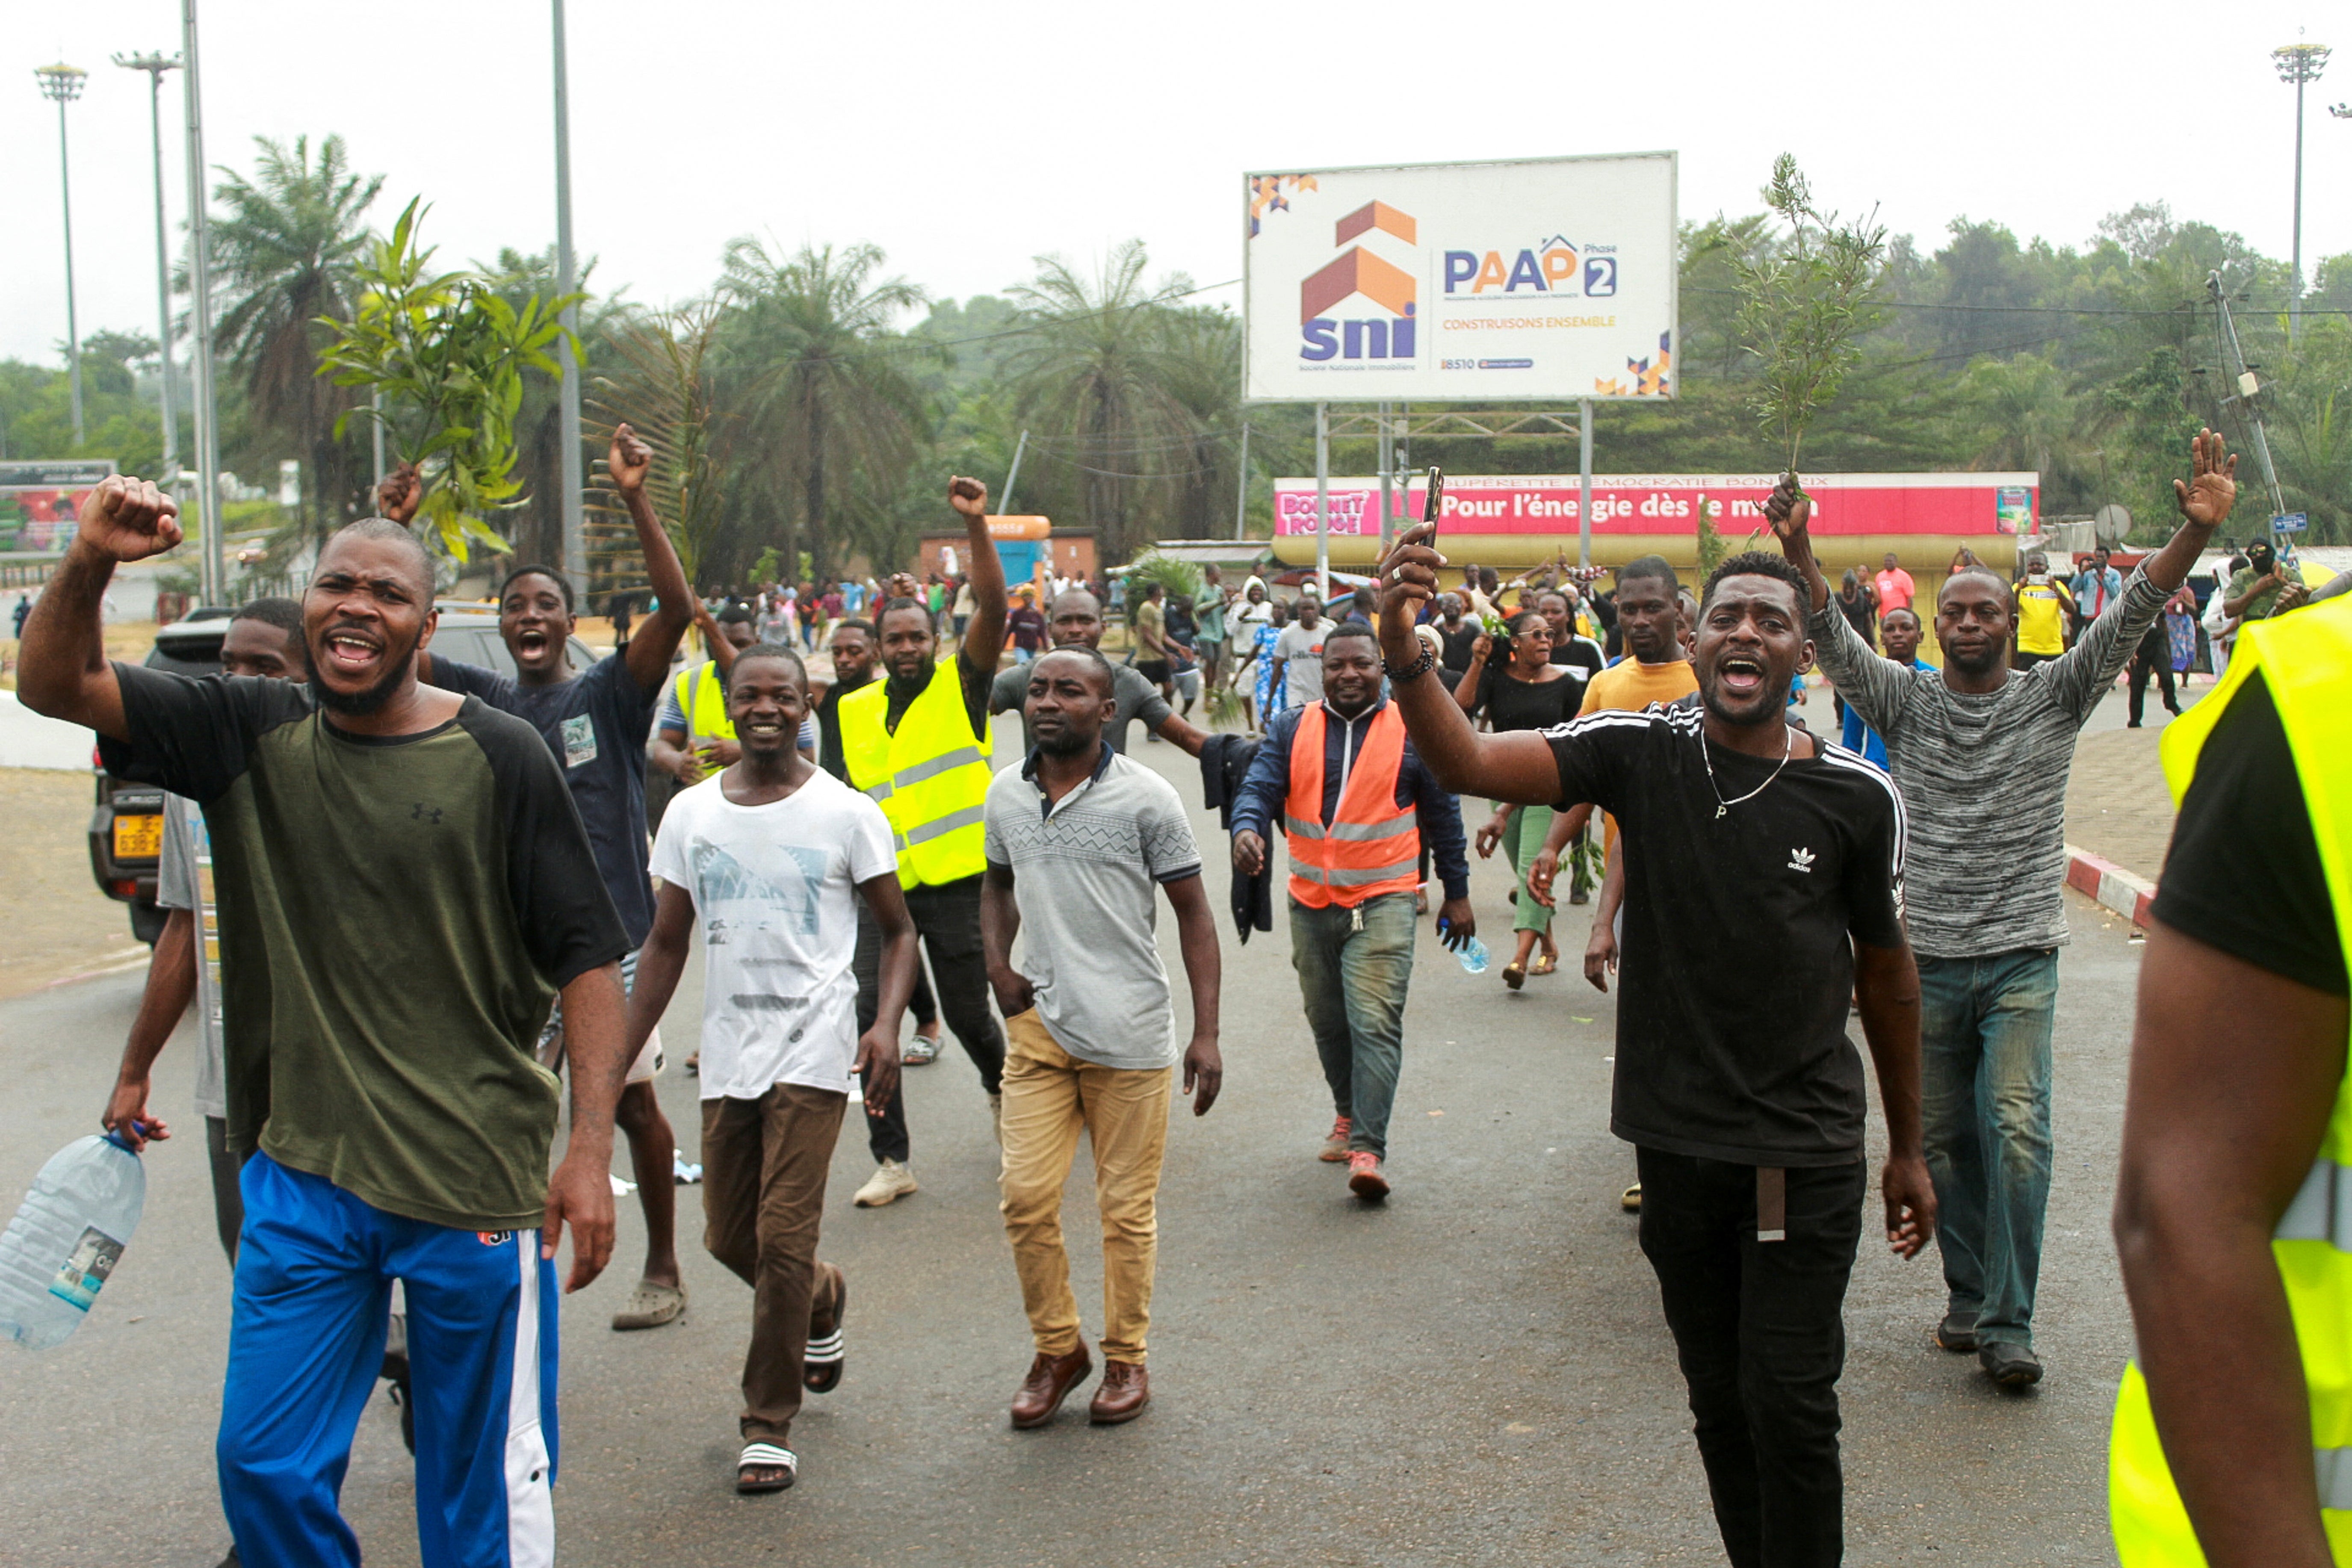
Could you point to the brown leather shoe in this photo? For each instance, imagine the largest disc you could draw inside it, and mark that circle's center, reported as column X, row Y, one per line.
column 1126, row 1390
column 1049, row 1383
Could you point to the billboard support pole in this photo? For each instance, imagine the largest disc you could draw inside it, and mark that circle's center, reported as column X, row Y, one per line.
column 1584, row 483
column 1241, row 488
column 1323, row 503
column 1388, row 466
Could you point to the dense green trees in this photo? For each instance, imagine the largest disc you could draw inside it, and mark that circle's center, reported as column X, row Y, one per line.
column 813, row 401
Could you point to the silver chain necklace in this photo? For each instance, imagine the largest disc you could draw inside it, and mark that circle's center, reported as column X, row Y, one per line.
column 1788, row 746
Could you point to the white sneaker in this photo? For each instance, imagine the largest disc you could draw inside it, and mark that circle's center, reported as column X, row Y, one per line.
column 890, row 1182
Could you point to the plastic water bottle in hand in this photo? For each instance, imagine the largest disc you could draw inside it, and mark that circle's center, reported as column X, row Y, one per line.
column 67, row 1237
column 1469, row 950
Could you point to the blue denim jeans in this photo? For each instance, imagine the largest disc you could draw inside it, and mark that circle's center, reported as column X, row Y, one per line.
column 1984, row 1036
column 1352, row 975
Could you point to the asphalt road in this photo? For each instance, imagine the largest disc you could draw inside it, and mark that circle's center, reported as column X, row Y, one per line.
column 1476, row 1373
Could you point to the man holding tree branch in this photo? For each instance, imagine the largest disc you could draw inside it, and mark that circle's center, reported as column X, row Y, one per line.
column 1764, row 886
column 1982, row 753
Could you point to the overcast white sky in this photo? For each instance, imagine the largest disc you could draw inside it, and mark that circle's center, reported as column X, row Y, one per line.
column 964, row 140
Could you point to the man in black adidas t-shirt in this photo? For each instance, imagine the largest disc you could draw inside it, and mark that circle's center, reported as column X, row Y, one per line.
column 1763, row 888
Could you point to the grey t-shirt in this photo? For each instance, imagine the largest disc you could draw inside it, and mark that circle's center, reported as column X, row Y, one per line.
column 1086, row 878
column 184, row 881
column 1302, row 675
column 1984, row 776
column 1130, row 688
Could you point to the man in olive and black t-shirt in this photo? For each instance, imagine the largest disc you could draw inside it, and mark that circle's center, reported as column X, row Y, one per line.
column 1763, row 888
column 403, row 886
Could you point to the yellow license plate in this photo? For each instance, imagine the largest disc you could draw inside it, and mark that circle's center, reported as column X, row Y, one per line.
column 138, row 838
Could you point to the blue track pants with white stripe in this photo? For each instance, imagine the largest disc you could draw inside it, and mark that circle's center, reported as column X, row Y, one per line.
column 314, row 1273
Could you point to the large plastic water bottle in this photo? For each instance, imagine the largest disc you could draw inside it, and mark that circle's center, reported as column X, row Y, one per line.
column 67, row 1237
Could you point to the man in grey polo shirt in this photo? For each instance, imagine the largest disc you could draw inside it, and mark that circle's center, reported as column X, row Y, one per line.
column 1077, row 838
column 1077, row 622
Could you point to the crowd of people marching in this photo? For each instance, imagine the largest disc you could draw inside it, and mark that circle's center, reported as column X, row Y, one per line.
column 412, row 898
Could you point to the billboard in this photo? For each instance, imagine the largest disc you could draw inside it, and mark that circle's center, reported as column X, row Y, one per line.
column 1647, row 507
column 1541, row 278
column 40, row 501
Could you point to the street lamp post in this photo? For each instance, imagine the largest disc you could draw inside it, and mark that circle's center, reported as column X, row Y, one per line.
column 155, row 65
column 575, row 483
column 2299, row 64
column 63, row 83
column 200, row 296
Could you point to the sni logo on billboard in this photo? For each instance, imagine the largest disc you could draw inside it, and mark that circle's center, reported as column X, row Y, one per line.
column 1362, row 281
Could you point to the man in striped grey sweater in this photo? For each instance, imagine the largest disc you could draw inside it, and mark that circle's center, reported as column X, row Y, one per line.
column 1981, row 754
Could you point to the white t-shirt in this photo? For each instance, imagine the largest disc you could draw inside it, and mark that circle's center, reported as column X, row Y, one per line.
column 1302, row 653
column 775, row 890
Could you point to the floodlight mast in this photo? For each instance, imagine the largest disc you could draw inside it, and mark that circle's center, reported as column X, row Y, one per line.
column 62, row 84
column 155, row 64
column 2299, row 65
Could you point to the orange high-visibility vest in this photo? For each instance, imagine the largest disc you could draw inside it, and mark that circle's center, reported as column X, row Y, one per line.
column 1370, row 848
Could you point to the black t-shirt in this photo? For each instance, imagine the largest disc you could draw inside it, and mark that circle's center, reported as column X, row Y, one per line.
column 2243, row 874
column 899, row 696
column 1511, row 703
column 1738, row 956
column 597, row 724
column 829, row 755
column 1458, row 644
column 396, row 913
column 1582, row 655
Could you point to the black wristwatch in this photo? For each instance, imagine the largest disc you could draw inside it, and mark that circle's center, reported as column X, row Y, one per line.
column 1413, row 671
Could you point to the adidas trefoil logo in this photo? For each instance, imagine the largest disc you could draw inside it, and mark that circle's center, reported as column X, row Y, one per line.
column 1801, row 860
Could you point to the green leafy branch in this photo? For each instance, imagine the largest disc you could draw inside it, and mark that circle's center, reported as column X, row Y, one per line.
column 1803, row 303
column 446, row 355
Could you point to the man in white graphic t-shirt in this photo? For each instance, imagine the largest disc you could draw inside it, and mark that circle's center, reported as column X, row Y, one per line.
column 769, row 858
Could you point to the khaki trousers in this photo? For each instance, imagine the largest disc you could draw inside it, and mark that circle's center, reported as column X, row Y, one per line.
column 1050, row 1097
column 763, row 1168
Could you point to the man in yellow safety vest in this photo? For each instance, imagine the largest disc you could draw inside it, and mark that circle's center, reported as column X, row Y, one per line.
column 917, row 742
column 2233, row 1216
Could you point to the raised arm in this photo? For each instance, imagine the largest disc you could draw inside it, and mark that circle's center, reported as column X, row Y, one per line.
column 655, row 637
column 1474, row 677
column 61, row 665
column 1874, row 686
column 985, row 630
column 1517, row 766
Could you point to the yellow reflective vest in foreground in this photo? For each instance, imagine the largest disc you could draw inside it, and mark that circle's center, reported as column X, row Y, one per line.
column 930, row 778
column 2306, row 659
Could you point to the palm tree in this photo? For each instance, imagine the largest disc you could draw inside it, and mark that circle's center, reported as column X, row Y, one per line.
column 284, row 249
column 823, row 385
column 1100, row 374
column 663, row 388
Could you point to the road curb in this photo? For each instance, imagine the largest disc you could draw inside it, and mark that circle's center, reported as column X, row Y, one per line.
column 2130, row 895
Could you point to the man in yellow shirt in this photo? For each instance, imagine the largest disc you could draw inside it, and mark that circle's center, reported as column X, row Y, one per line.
column 2044, row 610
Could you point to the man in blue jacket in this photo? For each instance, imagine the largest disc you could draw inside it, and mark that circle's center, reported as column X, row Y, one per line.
column 1351, row 903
